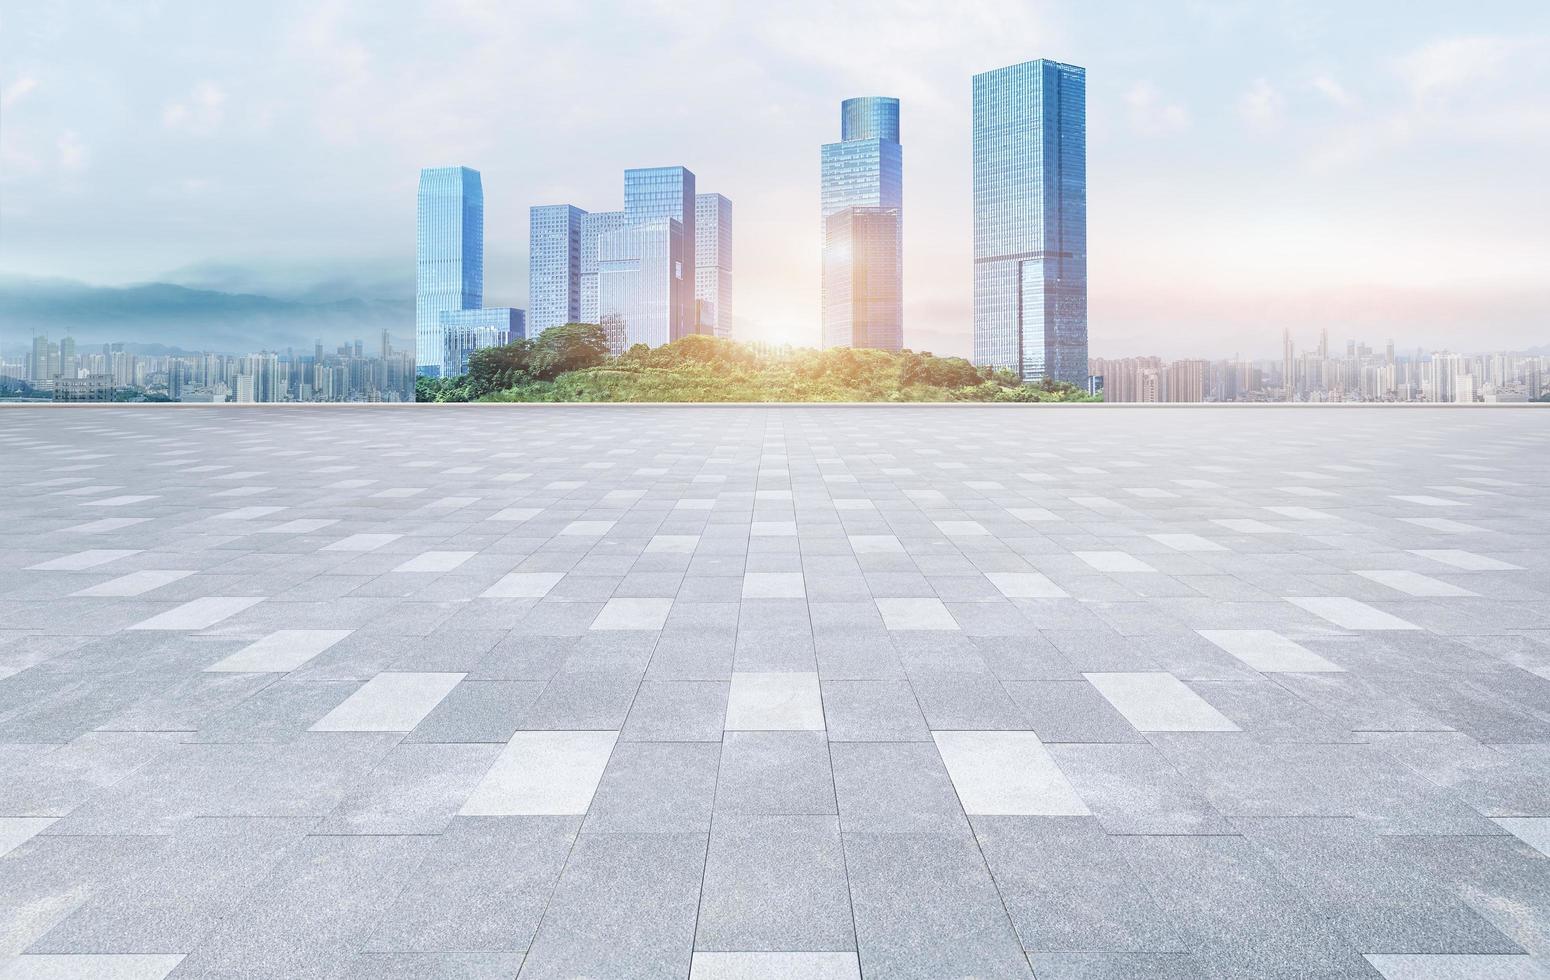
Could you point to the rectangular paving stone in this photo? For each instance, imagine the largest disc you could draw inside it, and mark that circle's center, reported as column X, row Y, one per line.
column 625, row 907
column 1006, row 773
column 775, row 883
column 199, row 614
column 389, row 702
column 774, row 702
column 926, row 907
column 1156, row 701
column 280, row 652
column 1350, row 614
column 543, row 774
column 1267, row 650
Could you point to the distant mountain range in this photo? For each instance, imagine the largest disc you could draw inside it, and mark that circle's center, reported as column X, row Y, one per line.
column 160, row 314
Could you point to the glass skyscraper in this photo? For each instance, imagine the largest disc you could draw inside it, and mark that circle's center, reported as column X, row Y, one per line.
column 449, row 251
column 864, row 171
column 465, row 331
column 667, row 192
column 554, row 266
column 713, row 263
column 636, row 271
column 641, row 285
column 1030, row 220
column 594, row 226
column 861, row 279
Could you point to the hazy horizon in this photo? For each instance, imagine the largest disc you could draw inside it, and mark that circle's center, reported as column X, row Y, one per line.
column 1252, row 167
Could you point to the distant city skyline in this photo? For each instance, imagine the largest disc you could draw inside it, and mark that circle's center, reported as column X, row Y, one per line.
column 1303, row 165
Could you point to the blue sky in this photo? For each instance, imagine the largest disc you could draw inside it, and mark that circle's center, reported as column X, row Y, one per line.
column 1376, row 168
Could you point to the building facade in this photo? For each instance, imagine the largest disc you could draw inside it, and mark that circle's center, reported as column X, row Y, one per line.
column 862, row 274
column 642, row 291
column 1030, row 221
column 465, row 331
column 593, row 227
column 863, row 173
column 713, row 264
column 652, row 193
column 554, row 266
column 449, row 250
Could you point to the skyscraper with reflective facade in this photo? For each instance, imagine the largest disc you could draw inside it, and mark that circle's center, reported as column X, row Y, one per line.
column 636, row 271
column 713, row 263
column 864, row 171
column 1030, row 220
column 667, row 192
column 465, row 331
column 449, row 255
column 594, row 226
column 554, row 266
column 641, row 288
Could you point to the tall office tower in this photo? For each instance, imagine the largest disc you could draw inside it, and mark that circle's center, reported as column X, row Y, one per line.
column 864, row 171
column 641, row 286
column 861, row 276
column 1288, row 383
column 667, row 192
column 593, row 227
column 554, row 266
column 449, row 249
column 465, row 331
column 1030, row 220
column 713, row 263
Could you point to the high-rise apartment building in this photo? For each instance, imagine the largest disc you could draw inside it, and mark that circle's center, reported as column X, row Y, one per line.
column 449, row 249
column 1030, row 220
column 863, row 251
column 713, row 264
column 666, row 192
column 554, row 266
column 593, row 227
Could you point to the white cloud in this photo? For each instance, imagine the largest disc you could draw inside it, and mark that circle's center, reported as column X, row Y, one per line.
column 1447, row 63
column 1151, row 113
column 73, row 154
column 1332, row 90
column 17, row 90
column 201, row 112
column 1261, row 106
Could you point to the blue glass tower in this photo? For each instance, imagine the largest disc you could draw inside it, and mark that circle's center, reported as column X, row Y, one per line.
column 864, row 171
column 1030, row 220
column 554, row 266
column 449, row 254
column 667, row 192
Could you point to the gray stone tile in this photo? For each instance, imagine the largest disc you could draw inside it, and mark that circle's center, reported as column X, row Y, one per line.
column 775, row 773
column 204, row 872
column 656, row 788
column 1067, row 887
column 775, row 883
column 925, row 906
column 313, row 912
column 624, row 907
column 483, row 887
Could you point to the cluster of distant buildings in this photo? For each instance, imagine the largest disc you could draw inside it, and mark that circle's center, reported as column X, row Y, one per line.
column 656, row 271
column 661, row 268
column 1319, row 374
column 348, row 373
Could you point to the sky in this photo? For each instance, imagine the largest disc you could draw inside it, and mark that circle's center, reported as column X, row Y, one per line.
column 1372, row 168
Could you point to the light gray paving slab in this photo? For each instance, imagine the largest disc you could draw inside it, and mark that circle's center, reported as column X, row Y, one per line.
column 543, row 774
column 389, row 702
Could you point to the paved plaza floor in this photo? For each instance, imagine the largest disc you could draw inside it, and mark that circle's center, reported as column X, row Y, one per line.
column 813, row 693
